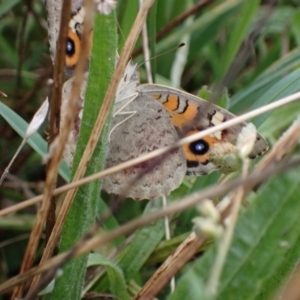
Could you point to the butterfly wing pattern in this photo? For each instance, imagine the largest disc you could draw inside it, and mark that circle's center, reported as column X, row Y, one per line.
column 148, row 129
column 139, row 126
column 191, row 114
column 53, row 9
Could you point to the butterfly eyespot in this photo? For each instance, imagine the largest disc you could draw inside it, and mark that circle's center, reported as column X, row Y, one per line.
column 199, row 147
column 70, row 47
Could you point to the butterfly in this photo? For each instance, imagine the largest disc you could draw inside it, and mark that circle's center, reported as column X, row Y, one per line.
column 156, row 117
column 150, row 116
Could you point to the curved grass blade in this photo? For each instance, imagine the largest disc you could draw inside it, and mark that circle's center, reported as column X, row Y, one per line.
column 115, row 275
column 276, row 90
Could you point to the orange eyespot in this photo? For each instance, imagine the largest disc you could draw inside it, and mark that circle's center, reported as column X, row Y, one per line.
column 199, row 150
column 199, row 147
column 72, row 49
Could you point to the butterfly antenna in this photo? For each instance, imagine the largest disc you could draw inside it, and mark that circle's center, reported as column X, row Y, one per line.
column 161, row 54
column 146, row 49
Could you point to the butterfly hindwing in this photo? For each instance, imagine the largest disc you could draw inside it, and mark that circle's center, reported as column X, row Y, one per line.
column 148, row 129
column 191, row 114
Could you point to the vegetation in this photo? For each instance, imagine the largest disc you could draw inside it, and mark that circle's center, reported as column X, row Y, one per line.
column 251, row 48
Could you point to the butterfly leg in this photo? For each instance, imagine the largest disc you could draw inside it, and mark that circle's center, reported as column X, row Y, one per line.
column 121, row 112
column 131, row 98
column 129, row 113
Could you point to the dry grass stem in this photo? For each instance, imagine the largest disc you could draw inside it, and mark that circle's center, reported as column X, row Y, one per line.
column 55, row 161
column 226, row 239
column 171, row 266
column 168, row 237
column 86, row 245
column 69, row 119
column 177, row 21
column 6, row 171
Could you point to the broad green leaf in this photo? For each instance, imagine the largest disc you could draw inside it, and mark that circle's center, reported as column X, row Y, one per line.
column 279, row 120
column 143, row 244
column 115, row 275
column 145, row 240
column 204, row 181
column 284, row 87
column 264, row 248
column 268, row 79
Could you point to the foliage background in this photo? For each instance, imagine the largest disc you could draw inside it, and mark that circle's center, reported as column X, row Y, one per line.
column 268, row 35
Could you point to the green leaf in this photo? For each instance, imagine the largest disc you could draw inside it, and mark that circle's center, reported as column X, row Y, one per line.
column 115, row 275
column 165, row 248
column 9, row 53
column 143, row 244
column 296, row 26
column 265, row 82
column 204, row 181
column 127, row 12
column 191, row 287
column 200, row 25
column 285, row 87
column 145, row 240
column 265, row 247
column 241, row 29
column 205, row 93
column 279, row 120
column 23, row 222
column 6, row 6
column 222, row 100
column 151, row 26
